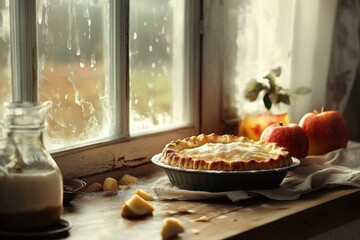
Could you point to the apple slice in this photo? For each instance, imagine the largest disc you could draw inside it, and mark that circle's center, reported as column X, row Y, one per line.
column 171, row 227
column 136, row 207
column 144, row 195
column 95, row 187
column 110, row 184
column 127, row 180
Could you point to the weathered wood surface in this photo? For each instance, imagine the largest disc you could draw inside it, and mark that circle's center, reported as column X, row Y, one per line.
column 95, row 216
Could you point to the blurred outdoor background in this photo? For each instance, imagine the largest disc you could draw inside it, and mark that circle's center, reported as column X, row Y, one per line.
column 74, row 59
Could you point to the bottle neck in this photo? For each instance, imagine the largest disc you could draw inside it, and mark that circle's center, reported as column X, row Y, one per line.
column 25, row 136
column 23, row 124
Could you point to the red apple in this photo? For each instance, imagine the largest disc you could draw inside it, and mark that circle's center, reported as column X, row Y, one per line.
column 326, row 131
column 290, row 136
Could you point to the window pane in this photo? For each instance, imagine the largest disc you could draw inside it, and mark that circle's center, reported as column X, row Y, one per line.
column 158, row 80
column 258, row 37
column 5, row 63
column 73, row 45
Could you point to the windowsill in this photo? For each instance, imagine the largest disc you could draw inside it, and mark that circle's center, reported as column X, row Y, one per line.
column 95, row 216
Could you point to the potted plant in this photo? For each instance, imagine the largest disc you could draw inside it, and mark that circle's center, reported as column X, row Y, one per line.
column 274, row 97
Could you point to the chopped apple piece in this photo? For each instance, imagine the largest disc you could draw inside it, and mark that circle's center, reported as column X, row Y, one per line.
column 95, row 187
column 136, row 207
column 181, row 211
column 202, row 219
column 171, row 227
column 127, row 180
column 144, row 195
column 110, row 184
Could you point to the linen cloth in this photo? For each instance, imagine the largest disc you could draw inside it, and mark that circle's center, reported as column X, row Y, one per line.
column 337, row 168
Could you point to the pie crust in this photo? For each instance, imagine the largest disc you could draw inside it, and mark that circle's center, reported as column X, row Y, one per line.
column 225, row 153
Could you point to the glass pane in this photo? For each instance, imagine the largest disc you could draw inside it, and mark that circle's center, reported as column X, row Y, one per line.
column 73, row 39
column 258, row 37
column 5, row 63
column 158, row 94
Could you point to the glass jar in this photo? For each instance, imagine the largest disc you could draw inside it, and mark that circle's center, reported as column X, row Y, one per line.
column 255, row 118
column 31, row 182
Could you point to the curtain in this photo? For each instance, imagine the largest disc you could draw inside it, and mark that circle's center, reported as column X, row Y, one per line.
column 345, row 55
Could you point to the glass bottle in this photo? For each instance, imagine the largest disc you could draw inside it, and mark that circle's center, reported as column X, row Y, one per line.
column 255, row 118
column 31, row 189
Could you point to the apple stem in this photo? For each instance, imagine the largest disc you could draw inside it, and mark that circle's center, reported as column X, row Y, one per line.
column 323, row 109
column 281, row 123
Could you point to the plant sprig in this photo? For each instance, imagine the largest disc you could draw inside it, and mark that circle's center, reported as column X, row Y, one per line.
column 274, row 93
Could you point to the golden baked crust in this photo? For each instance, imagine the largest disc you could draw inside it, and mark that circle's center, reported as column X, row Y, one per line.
column 225, row 153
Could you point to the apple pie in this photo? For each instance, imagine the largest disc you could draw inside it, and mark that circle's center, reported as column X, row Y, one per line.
column 224, row 153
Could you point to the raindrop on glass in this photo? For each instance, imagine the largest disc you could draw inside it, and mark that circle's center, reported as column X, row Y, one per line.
column 93, row 61
column 82, row 61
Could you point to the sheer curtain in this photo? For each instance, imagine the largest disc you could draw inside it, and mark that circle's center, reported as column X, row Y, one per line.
column 314, row 41
column 258, row 36
column 313, row 37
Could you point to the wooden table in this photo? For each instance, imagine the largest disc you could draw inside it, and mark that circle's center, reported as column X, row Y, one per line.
column 95, row 216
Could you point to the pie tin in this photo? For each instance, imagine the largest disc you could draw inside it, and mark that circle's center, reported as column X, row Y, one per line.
column 220, row 181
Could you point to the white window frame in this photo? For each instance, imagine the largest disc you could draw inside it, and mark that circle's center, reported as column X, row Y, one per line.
column 213, row 71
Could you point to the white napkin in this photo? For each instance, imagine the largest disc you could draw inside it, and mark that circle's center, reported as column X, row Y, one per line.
column 337, row 168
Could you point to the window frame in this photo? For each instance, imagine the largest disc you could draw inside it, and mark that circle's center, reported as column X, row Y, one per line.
column 213, row 71
column 129, row 151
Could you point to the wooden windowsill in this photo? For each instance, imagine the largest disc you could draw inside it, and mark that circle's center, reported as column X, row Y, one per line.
column 95, row 216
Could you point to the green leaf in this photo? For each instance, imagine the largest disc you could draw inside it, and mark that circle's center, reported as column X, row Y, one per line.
column 283, row 98
column 267, row 101
column 273, row 85
column 274, row 73
column 253, row 89
column 273, row 97
column 277, row 71
column 273, row 93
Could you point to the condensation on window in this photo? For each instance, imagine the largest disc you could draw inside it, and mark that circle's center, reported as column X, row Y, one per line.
column 72, row 60
column 157, row 36
column 5, row 62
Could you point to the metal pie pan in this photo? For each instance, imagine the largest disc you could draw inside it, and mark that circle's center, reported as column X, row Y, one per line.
column 220, row 181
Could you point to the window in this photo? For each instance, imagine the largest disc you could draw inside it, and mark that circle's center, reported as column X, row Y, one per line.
column 262, row 36
column 257, row 37
column 123, row 78
column 159, row 72
column 73, row 63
